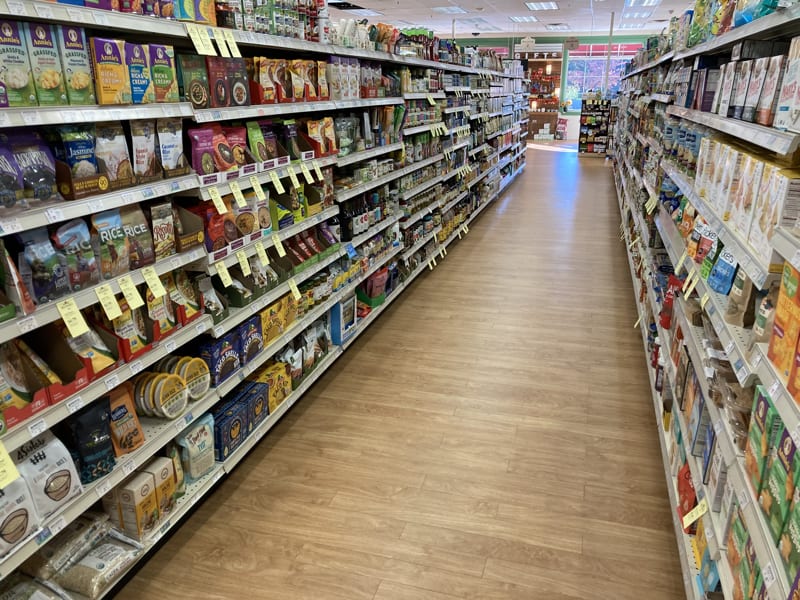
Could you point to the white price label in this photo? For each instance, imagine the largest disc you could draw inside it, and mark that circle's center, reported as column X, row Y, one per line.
column 729, row 348
column 54, row 215
column 176, row 263
column 219, row 330
column 136, row 367
column 170, row 346
column 75, row 404
column 768, row 573
column 111, row 382
column 26, row 325
column 129, row 467
column 103, row 488
column 757, row 359
column 44, row 12
column 179, row 425
column 718, row 427
column 200, row 328
column 795, row 438
column 78, row 16
column 796, row 259
column 38, row 427
column 773, row 389
column 127, row 198
column 16, row 7
column 10, row 226
column 96, row 206
column 31, row 117
column 744, row 498
column 100, row 18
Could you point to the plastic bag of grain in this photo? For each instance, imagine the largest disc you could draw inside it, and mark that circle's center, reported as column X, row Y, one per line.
column 98, row 568
column 21, row 587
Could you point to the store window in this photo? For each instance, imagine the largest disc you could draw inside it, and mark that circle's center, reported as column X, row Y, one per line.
column 586, row 69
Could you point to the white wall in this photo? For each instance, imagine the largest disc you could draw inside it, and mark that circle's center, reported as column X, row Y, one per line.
column 573, row 126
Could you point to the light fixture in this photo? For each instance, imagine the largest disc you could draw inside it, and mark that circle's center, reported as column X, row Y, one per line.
column 541, row 5
column 631, row 26
column 642, row 2
column 365, row 12
column 557, row 27
column 548, row 69
column 449, row 10
column 525, row 19
column 637, row 14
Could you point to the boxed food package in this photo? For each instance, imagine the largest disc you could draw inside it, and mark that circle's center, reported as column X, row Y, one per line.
column 279, row 381
column 112, row 79
column 137, row 59
column 45, row 59
column 197, row 448
column 165, row 79
column 138, row 505
column 754, row 88
column 786, row 327
column 743, row 71
column 787, row 114
column 239, row 86
column 193, row 80
column 765, row 424
column 768, row 103
column 222, row 357
column 16, row 80
column 741, row 211
column 777, row 203
column 778, row 489
column 230, row 429
column 251, row 341
column 789, row 544
column 163, row 473
column 218, row 82
column 256, row 398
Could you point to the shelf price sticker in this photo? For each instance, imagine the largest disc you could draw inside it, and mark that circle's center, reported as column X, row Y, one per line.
column 276, row 181
column 679, row 266
column 154, row 282
column 219, row 37
column 244, row 264
column 130, row 291
column 8, row 470
column 695, row 281
column 704, row 300
column 205, row 36
column 294, row 289
column 202, row 43
column 768, row 573
column 278, row 245
column 317, row 170
column 293, row 177
column 216, row 198
column 72, row 317
column 224, row 274
column 306, row 173
column 694, row 514
column 261, row 252
column 108, row 301
column 431, row 101
column 256, row 184
column 231, row 41
column 238, row 196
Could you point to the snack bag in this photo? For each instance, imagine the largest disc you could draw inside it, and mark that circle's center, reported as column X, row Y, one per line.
column 74, row 241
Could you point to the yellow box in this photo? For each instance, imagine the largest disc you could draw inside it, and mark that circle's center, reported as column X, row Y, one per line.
column 112, row 79
column 273, row 321
column 163, row 472
column 138, row 505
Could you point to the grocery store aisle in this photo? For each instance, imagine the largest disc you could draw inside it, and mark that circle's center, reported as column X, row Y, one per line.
column 491, row 437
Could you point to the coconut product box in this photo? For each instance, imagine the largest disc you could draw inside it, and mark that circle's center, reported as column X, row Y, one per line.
column 112, row 79
column 16, row 80
column 76, row 64
column 787, row 114
column 193, row 80
column 778, row 489
column 743, row 71
column 765, row 424
column 758, row 77
column 165, row 78
column 45, row 59
column 768, row 102
column 138, row 505
column 786, row 328
column 137, row 59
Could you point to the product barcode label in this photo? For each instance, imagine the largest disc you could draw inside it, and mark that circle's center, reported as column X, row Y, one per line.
column 26, row 325
column 773, row 389
column 38, row 427
column 200, row 328
column 136, row 367
column 54, row 215
column 768, row 573
column 219, row 330
column 744, row 498
column 57, row 525
column 75, row 404
column 111, row 382
column 103, row 488
column 718, row 427
column 170, row 346
column 129, row 467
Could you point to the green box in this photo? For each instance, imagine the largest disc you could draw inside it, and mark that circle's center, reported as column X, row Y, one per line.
column 778, row 489
column 789, row 544
column 765, row 425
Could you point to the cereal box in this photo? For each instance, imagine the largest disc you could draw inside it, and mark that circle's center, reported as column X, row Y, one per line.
column 76, row 64
column 45, row 64
column 789, row 544
column 778, row 489
column 761, row 438
column 162, row 67
column 16, row 80
column 137, row 59
column 786, row 328
column 113, row 83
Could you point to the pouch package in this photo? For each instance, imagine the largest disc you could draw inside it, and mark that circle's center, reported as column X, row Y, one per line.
column 43, row 269
column 112, row 152
column 75, row 243
column 143, row 145
column 93, row 449
column 78, row 143
column 35, row 161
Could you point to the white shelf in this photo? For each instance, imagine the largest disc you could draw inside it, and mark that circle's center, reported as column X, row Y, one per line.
column 428, row 183
column 373, row 231
column 423, row 128
column 445, row 207
column 343, row 195
column 58, row 115
column 663, row 98
column 424, row 95
column 421, row 243
column 480, row 148
column 454, row 109
column 650, row 65
column 368, row 154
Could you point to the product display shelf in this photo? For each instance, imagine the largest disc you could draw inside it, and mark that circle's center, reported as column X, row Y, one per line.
column 374, row 230
column 157, row 434
column 222, row 181
column 418, row 189
column 346, row 194
column 48, row 312
column 774, row 140
column 457, row 146
column 787, row 245
column 424, row 128
column 207, row 115
column 653, row 63
column 752, row 265
column 663, row 98
column 44, row 214
column 481, row 176
column 58, row 115
column 480, row 115
column 230, row 256
column 355, row 157
column 422, row 241
column 457, row 88
column 418, row 215
column 424, row 95
column 454, row 109
column 444, row 207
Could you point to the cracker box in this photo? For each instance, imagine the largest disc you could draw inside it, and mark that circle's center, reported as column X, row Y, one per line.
column 775, row 204
column 222, row 357
column 138, row 505
column 277, row 377
column 768, row 102
column 778, row 489
column 16, row 80
column 765, row 425
column 76, row 64
column 137, row 59
column 162, row 68
column 163, row 472
column 789, row 544
column 230, row 429
column 737, row 539
column 45, row 59
column 717, row 477
column 787, row 113
column 786, row 328
column 257, row 400
column 251, row 341
column 743, row 71
column 112, row 80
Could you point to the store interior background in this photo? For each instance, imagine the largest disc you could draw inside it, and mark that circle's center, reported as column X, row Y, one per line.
column 620, row 27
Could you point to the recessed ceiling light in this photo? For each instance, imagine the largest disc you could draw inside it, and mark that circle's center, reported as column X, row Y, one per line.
column 637, row 14
column 631, row 25
column 450, row 10
column 541, row 5
column 642, row 2
column 526, row 19
column 557, row 27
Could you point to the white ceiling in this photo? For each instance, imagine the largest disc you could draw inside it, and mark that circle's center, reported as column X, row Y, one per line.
column 490, row 18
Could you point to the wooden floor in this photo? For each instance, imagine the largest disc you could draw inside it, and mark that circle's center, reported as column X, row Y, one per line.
column 490, row 437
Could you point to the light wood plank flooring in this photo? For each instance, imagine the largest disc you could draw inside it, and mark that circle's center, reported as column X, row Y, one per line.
column 491, row 437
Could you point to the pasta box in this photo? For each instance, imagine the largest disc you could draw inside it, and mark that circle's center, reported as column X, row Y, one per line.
column 765, row 424
column 222, row 356
column 16, row 80
column 45, row 60
column 251, row 340
column 162, row 67
column 230, row 429
column 76, row 64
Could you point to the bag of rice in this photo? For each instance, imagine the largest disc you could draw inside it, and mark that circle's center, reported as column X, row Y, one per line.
column 99, row 568
column 18, row 518
column 20, row 587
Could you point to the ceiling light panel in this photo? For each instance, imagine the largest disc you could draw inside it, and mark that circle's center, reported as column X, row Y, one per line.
column 637, row 14
column 631, row 26
column 633, row 3
column 557, row 27
column 365, row 12
column 541, row 5
column 526, row 19
column 449, row 10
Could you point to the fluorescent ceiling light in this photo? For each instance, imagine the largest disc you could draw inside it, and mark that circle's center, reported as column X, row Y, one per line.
column 450, row 10
column 530, row 19
column 557, row 27
column 637, row 14
column 541, row 5
column 365, row 12
column 631, row 25
column 642, row 2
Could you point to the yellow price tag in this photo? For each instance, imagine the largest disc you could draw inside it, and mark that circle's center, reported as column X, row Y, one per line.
column 238, row 196
column 694, row 514
column 257, row 188
column 278, row 245
column 431, row 101
column 108, row 301
column 276, row 181
column 8, row 470
column 224, row 274
column 687, row 281
column 261, row 252
column 295, row 291
column 679, row 266
column 206, row 37
column 704, row 300
column 306, row 173
column 244, row 264
column 430, row 265
column 639, row 320
column 131, row 293
column 231, row 41
column 693, row 285
column 153, row 282
column 293, row 177
column 194, row 34
column 216, row 198
column 318, row 171
column 466, row 228
column 72, row 317
column 219, row 37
